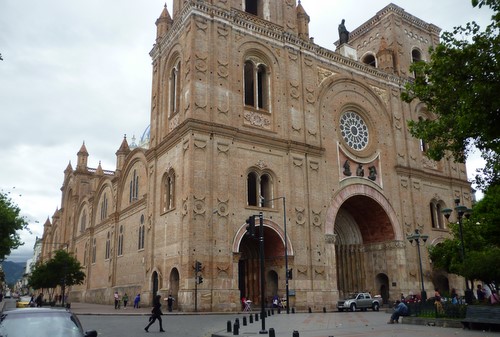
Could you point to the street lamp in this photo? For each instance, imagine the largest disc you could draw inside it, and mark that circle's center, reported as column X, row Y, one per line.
column 287, row 275
column 461, row 211
column 418, row 237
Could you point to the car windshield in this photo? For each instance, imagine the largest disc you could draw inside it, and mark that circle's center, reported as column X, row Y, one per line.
column 352, row 296
column 53, row 324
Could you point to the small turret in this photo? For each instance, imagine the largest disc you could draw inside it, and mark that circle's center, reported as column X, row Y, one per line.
column 163, row 24
column 121, row 154
column 302, row 22
column 83, row 156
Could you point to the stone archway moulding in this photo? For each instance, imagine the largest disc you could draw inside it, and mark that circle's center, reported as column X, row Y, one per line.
column 370, row 192
column 267, row 223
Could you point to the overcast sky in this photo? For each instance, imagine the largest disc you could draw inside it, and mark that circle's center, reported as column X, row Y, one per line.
column 77, row 71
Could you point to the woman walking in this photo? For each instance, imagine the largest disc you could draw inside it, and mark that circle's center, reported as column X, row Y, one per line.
column 156, row 314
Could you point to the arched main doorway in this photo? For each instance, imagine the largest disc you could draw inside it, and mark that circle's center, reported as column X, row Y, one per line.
column 249, row 266
column 155, row 283
column 361, row 225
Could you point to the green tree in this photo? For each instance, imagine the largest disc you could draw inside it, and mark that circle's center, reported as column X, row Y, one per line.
column 10, row 225
column 460, row 86
column 481, row 236
column 62, row 270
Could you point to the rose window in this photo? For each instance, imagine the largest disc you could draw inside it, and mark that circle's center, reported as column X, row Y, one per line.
column 354, row 130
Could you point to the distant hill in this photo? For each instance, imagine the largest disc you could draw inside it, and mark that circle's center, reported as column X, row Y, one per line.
column 13, row 271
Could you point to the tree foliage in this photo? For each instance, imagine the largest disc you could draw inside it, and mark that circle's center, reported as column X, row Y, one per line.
column 63, row 270
column 481, row 236
column 459, row 86
column 10, row 224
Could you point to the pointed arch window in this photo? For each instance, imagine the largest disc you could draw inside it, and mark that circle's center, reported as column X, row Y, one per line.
column 257, row 86
column 104, row 207
column 141, row 234
column 85, row 253
column 134, row 187
column 107, row 251
column 94, row 250
column 174, row 89
column 83, row 221
column 259, row 185
column 120, row 241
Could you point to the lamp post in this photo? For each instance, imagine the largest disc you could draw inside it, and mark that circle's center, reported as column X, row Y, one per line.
column 418, row 238
column 287, row 275
column 461, row 211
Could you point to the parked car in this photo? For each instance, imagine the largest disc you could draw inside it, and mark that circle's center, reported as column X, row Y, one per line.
column 23, row 302
column 413, row 299
column 41, row 322
column 356, row 301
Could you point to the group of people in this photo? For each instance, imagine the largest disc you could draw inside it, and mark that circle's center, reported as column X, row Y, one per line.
column 124, row 298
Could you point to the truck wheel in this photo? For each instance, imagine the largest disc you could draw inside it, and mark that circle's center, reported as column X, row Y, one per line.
column 353, row 307
column 375, row 306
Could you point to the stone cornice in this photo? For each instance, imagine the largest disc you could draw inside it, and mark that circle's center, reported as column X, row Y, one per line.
column 428, row 176
column 249, row 24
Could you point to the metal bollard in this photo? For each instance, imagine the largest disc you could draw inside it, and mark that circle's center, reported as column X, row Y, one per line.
column 293, row 310
column 228, row 326
column 310, row 310
column 251, row 318
column 236, row 329
column 244, row 321
column 279, row 310
column 271, row 332
column 256, row 317
column 237, row 322
column 272, row 311
column 324, row 310
column 268, row 313
column 295, row 333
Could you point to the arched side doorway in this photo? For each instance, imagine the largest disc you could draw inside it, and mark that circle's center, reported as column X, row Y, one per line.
column 249, row 263
column 155, row 281
column 174, row 286
column 382, row 285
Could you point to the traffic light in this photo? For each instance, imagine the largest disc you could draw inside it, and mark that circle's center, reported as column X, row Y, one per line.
column 197, row 266
column 250, row 225
column 200, row 279
column 289, row 273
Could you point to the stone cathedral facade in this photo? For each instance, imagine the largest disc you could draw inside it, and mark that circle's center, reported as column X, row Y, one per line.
column 249, row 115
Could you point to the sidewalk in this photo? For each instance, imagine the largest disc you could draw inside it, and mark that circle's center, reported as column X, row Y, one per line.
column 80, row 308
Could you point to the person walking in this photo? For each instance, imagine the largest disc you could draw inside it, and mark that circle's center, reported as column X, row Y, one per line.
column 156, row 314
column 137, row 299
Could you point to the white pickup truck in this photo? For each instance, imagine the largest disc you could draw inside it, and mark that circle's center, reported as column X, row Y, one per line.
column 356, row 301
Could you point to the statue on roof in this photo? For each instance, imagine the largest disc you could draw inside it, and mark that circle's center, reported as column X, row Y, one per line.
column 343, row 33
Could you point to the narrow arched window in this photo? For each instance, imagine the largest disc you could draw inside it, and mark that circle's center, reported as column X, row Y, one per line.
column 257, row 85
column 104, row 207
column 175, row 85
column 168, row 191
column 141, row 234
column 120, row 241
column 83, row 221
column 134, row 187
column 94, row 250
column 432, row 209
column 423, row 144
column 107, row 251
column 259, row 189
column 85, row 253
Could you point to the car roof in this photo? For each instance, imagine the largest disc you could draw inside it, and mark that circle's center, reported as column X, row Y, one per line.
column 35, row 310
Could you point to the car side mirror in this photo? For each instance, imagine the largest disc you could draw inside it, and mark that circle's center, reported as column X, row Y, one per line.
column 91, row 333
